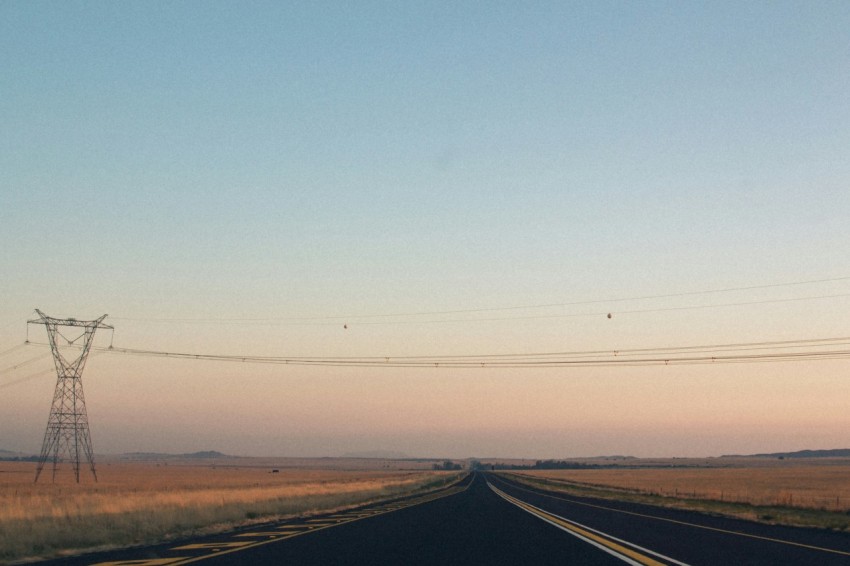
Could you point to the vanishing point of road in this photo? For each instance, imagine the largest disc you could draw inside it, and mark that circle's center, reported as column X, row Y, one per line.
column 490, row 519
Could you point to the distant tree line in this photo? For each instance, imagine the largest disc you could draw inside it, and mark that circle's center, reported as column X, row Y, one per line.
column 448, row 465
column 547, row 465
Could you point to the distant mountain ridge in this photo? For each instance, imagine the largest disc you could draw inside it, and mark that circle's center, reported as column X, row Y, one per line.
column 835, row 453
column 203, row 455
column 377, row 454
column 12, row 456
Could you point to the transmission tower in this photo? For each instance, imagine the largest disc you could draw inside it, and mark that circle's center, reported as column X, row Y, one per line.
column 67, row 433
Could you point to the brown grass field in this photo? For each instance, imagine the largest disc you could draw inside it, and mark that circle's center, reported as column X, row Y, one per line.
column 809, row 486
column 810, row 493
column 143, row 502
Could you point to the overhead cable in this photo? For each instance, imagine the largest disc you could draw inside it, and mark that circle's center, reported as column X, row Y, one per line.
column 744, row 352
column 365, row 317
column 354, row 320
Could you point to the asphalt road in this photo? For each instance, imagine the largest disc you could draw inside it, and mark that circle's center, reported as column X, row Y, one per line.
column 490, row 520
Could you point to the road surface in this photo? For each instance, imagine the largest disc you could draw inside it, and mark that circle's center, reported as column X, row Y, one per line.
column 489, row 519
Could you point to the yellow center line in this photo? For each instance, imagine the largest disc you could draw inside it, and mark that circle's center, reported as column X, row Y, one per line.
column 149, row 562
column 213, row 545
column 610, row 544
column 685, row 523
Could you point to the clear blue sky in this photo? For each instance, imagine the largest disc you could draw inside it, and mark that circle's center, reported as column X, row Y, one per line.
column 252, row 159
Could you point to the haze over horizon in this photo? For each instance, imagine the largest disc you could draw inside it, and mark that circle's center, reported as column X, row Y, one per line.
column 380, row 180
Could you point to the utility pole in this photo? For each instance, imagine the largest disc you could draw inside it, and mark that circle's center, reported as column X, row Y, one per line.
column 67, row 433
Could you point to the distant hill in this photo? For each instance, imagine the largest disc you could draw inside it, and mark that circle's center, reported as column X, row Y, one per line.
column 377, row 454
column 10, row 455
column 204, row 455
column 836, row 453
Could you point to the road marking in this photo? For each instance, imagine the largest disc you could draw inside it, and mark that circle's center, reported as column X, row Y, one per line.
column 212, row 545
column 610, row 544
column 150, row 562
column 215, row 548
column 262, row 534
column 685, row 523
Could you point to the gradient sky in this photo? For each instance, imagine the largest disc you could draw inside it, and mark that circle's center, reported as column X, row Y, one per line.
column 249, row 160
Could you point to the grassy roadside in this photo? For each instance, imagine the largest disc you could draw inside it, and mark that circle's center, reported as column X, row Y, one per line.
column 768, row 514
column 78, row 528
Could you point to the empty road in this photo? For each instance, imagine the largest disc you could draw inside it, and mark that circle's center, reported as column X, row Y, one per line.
column 489, row 519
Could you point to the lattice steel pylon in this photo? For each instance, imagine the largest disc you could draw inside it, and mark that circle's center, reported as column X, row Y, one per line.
column 67, row 433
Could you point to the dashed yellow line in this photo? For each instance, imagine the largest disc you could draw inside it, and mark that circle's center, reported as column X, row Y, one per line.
column 219, row 549
column 212, row 545
column 144, row 562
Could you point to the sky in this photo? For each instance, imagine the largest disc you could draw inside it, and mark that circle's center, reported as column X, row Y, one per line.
column 429, row 179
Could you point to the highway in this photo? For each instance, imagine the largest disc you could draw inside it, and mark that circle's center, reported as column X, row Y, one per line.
column 490, row 519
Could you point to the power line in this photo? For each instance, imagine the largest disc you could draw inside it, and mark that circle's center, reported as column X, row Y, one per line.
column 510, row 363
column 741, row 352
column 600, row 314
column 26, row 378
column 12, row 349
column 23, row 363
column 281, row 321
column 316, row 320
column 27, row 362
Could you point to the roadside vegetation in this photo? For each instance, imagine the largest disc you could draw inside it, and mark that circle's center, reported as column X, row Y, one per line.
column 806, row 496
column 144, row 503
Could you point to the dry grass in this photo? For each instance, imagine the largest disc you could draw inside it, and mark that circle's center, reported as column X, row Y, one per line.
column 808, row 494
column 811, row 486
column 134, row 503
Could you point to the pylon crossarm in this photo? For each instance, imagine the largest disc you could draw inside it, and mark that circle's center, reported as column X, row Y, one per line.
column 44, row 319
